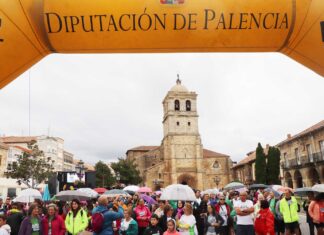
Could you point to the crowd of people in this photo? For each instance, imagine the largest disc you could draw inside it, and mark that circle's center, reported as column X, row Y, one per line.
column 225, row 213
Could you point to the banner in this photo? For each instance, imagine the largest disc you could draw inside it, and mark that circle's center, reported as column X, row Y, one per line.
column 31, row 29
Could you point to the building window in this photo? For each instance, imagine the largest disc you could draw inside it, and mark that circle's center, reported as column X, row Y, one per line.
column 188, row 105
column 297, row 156
column 11, row 192
column 176, row 105
column 286, row 159
column 309, row 152
column 178, row 123
column 159, row 175
column 189, row 123
column 216, row 165
column 321, row 145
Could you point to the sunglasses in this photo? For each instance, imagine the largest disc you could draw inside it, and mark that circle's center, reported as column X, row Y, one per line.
column 222, row 199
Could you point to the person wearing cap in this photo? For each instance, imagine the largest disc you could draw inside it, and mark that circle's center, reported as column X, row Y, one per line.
column 289, row 209
column 244, row 210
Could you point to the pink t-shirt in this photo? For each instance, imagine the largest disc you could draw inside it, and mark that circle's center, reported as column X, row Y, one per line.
column 168, row 233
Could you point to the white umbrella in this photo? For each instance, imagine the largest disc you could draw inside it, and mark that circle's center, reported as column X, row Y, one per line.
column 69, row 195
column 28, row 195
column 178, row 192
column 90, row 192
column 234, row 185
column 210, row 191
column 318, row 188
column 132, row 188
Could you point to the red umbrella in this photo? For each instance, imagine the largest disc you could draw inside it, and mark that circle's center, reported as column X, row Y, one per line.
column 145, row 190
column 100, row 190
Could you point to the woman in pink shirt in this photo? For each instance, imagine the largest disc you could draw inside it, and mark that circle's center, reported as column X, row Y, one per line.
column 316, row 212
column 171, row 228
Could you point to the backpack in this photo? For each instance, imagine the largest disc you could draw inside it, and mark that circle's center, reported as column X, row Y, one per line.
column 97, row 221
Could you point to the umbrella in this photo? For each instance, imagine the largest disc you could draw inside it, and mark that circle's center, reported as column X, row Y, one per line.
column 276, row 193
column 148, row 199
column 241, row 190
column 178, row 192
column 132, row 188
column 158, row 192
column 100, row 190
column 234, row 185
column 69, row 195
column 115, row 193
column 144, row 190
column 318, row 188
column 130, row 192
column 46, row 194
column 303, row 191
column 258, row 186
column 28, row 195
column 210, row 191
column 90, row 192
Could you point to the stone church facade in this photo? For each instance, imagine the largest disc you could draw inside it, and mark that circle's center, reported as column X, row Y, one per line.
column 181, row 157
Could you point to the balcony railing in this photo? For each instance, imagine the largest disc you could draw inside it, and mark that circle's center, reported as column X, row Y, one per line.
column 303, row 160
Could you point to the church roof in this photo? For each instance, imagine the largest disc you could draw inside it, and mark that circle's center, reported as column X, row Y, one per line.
column 143, row 148
column 179, row 87
column 18, row 139
column 210, row 154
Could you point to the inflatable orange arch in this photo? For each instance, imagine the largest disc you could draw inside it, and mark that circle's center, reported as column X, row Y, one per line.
column 32, row 29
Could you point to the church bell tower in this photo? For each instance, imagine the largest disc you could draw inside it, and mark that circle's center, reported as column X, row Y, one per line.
column 182, row 148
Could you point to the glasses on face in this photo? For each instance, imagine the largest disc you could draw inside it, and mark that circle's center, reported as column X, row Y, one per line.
column 222, row 199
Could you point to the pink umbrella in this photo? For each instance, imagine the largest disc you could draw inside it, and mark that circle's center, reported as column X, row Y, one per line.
column 145, row 190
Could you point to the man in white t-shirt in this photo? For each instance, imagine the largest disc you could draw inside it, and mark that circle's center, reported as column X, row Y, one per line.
column 244, row 209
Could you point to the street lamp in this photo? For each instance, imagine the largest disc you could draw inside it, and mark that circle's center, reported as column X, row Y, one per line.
column 80, row 169
column 118, row 176
column 217, row 180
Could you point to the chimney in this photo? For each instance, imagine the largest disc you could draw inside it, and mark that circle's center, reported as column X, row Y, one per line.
column 289, row 136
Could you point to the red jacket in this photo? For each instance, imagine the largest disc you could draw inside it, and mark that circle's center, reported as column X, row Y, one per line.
column 217, row 209
column 58, row 226
column 264, row 222
column 143, row 216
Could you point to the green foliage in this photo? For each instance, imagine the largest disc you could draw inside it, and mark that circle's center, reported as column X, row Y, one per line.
column 104, row 177
column 128, row 171
column 31, row 168
column 273, row 166
column 260, row 166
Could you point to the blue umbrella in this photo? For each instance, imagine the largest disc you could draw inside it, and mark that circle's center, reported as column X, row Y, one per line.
column 46, row 194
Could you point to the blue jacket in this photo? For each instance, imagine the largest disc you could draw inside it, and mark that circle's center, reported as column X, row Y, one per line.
column 109, row 217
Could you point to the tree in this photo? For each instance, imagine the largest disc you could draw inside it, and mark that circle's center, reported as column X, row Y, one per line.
column 273, row 166
column 260, row 166
column 32, row 167
column 128, row 171
column 104, row 178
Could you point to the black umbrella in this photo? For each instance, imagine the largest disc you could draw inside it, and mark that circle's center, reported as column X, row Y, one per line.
column 303, row 191
column 258, row 186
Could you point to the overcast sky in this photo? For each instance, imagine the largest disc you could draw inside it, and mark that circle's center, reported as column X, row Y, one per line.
column 102, row 105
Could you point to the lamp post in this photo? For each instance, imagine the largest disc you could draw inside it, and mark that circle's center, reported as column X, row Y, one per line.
column 217, row 180
column 117, row 178
column 80, row 169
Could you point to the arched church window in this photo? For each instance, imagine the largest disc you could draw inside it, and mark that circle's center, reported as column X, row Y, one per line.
column 176, row 105
column 188, row 105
